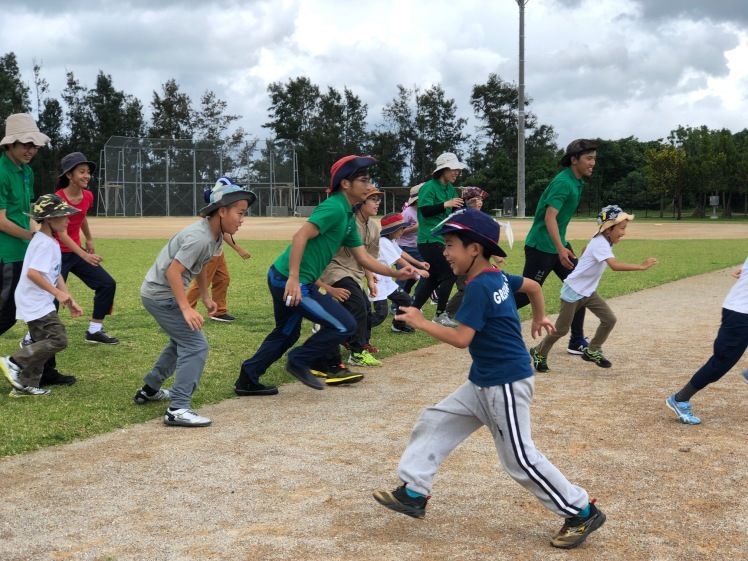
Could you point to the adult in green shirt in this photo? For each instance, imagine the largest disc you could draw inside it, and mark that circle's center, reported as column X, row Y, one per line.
column 436, row 201
column 20, row 144
column 546, row 247
column 292, row 282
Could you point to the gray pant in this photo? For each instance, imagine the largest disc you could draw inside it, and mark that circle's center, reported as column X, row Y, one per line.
column 593, row 303
column 50, row 337
column 185, row 353
column 505, row 410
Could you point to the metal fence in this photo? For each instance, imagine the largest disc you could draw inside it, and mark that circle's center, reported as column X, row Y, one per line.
column 163, row 177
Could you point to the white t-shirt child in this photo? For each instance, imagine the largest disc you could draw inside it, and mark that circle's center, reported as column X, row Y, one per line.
column 389, row 253
column 43, row 255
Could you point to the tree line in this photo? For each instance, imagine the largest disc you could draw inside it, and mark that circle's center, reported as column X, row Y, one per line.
column 668, row 175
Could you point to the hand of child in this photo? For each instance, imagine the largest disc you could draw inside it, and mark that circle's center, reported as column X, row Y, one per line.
column 340, row 294
column 90, row 246
column 292, row 294
column 407, row 272
column 92, row 259
column 63, row 298
column 649, row 262
column 565, row 256
column 373, row 290
column 737, row 273
column 75, row 309
column 425, row 265
column 537, row 326
column 422, row 273
column 243, row 253
column 193, row 318
column 410, row 315
column 211, row 306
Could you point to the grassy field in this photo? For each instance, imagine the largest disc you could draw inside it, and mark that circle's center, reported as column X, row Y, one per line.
column 108, row 377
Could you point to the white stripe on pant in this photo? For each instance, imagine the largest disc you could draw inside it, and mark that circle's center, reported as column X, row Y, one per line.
column 505, row 410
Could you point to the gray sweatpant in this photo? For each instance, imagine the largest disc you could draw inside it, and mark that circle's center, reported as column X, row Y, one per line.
column 505, row 410
column 185, row 353
column 594, row 303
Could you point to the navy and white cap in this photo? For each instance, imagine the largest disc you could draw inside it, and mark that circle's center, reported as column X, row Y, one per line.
column 476, row 225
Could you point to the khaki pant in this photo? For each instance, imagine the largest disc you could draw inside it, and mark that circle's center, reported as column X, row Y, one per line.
column 218, row 280
column 49, row 336
column 593, row 303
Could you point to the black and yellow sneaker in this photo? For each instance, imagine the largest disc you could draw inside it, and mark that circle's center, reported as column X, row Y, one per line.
column 399, row 501
column 597, row 357
column 575, row 529
column 539, row 362
column 340, row 375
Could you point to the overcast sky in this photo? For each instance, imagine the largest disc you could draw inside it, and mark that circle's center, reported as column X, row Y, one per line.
column 594, row 68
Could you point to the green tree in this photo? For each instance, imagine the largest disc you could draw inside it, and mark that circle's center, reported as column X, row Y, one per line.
column 172, row 115
column 14, row 93
column 665, row 172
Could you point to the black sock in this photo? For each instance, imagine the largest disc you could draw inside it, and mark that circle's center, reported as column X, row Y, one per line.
column 149, row 391
column 686, row 393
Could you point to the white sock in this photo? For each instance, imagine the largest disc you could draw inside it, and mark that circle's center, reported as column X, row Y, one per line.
column 94, row 327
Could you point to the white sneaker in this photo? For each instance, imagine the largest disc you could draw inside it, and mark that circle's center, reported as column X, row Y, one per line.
column 185, row 418
column 28, row 391
column 11, row 372
column 445, row 320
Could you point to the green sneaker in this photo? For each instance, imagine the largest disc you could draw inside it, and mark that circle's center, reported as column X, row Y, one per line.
column 539, row 362
column 597, row 357
column 575, row 529
column 364, row 358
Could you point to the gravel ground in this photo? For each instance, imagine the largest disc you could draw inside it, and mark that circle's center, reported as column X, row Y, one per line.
column 290, row 477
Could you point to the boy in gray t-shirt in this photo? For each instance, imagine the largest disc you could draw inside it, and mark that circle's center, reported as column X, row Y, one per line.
column 163, row 293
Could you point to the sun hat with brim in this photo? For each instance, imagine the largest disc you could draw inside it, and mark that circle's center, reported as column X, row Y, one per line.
column 21, row 127
column 472, row 192
column 474, row 224
column 50, row 206
column 447, row 161
column 392, row 222
column 75, row 159
column 413, row 195
column 224, row 193
column 346, row 167
column 610, row 216
column 575, row 148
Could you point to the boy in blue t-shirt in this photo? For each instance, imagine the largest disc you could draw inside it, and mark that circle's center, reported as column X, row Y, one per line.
column 499, row 388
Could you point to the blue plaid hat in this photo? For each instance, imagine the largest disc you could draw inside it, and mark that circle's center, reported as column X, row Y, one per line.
column 474, row 224
column 223, row 193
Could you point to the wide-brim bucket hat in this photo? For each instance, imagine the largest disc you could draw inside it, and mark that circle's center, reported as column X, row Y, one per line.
column 225, row 192
column 610, row 216
column 50, row 206
column 575, row 148
column 74, row 159
column 393, row 222
column 474, row 224
column 21, row 127
column 413, row 195
column 448, row 161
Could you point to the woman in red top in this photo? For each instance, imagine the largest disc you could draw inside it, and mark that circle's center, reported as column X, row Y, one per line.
column 84, row 263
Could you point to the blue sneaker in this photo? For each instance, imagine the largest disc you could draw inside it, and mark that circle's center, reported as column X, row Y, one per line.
column 577, row 346
column 683, row 410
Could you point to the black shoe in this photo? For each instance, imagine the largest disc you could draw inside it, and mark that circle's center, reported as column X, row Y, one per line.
column 101, row 337
column 254, row 389
column 576, row 530
column 399, row 501
column 57, row 379
column 341, row 375
column 305, row 376
column 223, row 317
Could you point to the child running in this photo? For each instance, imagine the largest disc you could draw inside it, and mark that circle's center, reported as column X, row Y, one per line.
column 580, row 289
column 729, row 346
column 390, row 253
column 499, row 388
column 163, row 295
column 40, row 285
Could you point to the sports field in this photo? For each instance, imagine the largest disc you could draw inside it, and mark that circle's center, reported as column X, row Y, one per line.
column 290, row 477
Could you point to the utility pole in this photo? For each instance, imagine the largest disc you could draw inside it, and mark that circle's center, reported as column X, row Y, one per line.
column 521, row 114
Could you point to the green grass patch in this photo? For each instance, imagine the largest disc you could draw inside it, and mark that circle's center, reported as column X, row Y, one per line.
column 108, row 376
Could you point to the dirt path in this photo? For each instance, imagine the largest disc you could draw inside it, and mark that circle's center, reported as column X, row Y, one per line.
column 290, row 477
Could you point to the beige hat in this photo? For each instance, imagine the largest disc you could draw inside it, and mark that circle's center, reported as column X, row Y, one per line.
column 414, row 193
column 21, row 127
column 448, row 161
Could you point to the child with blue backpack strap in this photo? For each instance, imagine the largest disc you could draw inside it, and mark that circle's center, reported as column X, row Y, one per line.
column 499, row 388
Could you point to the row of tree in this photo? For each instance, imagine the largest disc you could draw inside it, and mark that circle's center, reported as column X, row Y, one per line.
column 680, row 171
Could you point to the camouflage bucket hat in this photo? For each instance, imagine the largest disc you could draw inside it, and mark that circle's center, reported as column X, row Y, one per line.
column 50, row 206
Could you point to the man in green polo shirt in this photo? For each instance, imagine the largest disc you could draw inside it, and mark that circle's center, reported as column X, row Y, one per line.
column 292, row 278
column 546, row 247
column 19, row 145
